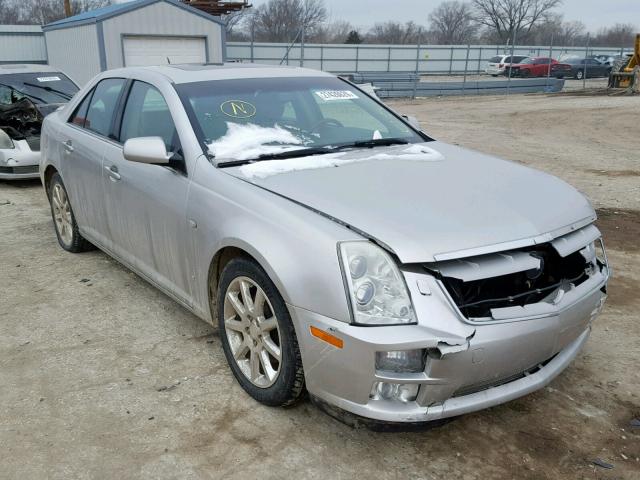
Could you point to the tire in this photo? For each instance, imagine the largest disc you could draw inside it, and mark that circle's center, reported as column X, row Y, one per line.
column 64, row 221
column 579, row 75
column 239, row 332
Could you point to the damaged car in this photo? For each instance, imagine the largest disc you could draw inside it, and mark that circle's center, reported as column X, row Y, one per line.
column 27, row 94
column 339, row 248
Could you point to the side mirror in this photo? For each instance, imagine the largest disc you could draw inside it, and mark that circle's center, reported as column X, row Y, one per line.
column 413, row 121
column 150, row 150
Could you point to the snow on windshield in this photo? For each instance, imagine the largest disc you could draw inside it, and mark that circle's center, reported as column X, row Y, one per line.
column 249, row 141
column 269, row 168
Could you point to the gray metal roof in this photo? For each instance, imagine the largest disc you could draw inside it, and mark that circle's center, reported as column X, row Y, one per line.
column 104, row 13
column 25, row 68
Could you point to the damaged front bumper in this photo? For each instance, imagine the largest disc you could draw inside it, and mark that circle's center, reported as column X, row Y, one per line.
column 19, row 162
column 469, row 365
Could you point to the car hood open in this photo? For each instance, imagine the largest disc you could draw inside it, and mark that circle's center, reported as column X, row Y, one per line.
column 446, row 203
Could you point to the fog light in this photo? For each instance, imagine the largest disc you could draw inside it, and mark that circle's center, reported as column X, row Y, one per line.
column 402, row 361
column 402, row 392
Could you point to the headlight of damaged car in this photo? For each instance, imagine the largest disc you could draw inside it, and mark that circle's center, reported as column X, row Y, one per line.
column 5, row 140
column 376, row 287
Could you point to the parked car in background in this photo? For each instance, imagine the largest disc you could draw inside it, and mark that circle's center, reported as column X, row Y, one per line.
column 27, row 94
column 539, row 67
column 497, row 64
column 335, row 245
column 587, row 67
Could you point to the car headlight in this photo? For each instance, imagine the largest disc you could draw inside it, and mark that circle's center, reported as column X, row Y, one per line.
column 5, row 140
column 375, row 285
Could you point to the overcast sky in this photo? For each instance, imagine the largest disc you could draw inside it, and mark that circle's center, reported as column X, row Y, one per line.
column 363, row 13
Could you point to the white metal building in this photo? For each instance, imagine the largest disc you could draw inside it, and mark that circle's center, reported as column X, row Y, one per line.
column 22, row 44
column 141, row 32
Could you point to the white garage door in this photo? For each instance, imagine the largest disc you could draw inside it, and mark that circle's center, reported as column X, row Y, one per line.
column 141, row 51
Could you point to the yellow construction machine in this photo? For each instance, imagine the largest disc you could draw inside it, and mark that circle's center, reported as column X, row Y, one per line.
column 628, row 76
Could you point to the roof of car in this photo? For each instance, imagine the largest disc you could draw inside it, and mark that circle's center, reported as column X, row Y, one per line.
column 11, row 68
column 187, row 73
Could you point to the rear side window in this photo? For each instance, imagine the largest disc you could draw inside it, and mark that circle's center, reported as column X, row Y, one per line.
column 80, row 114
column 147, row 115
column 102, row 106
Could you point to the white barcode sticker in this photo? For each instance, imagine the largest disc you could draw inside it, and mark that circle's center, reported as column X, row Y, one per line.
column 329, row 95
column 48, row 79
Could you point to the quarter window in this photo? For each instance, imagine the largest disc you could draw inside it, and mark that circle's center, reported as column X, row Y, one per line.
column 102, row 106
column 147, row 115
column 80, row 114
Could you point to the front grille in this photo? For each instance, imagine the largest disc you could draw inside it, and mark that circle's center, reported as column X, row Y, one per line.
column 20, row 169
column 476, row 297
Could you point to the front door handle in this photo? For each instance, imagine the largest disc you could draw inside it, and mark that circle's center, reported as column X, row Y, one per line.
column 68, row 146
column 113, row 172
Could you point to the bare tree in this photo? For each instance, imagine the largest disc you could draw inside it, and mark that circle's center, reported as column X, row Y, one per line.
column 334, row 32
column 506, row 17
column 9, row 13
column 395, row 33
column 554, row 30
column 619, row 35
column 453, row 23
column 43, row 11
column 282, row 20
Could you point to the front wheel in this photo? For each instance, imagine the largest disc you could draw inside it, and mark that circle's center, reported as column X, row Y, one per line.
column 579, row 75
column 258, row 337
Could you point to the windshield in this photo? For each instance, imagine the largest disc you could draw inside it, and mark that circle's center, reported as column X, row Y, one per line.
column 527, row 61
column 42, row 88
column 247, row 119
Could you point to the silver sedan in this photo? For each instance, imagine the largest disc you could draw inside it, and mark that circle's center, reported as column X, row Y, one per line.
column 338, row 247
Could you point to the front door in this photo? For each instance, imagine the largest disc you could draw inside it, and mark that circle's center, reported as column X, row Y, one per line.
column 147, row 203
column 84, row 140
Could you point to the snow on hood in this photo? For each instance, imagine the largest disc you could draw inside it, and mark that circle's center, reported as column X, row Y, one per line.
column 269, row 168
column 242, row 142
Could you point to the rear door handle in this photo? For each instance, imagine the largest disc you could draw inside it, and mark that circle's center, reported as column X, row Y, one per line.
column 68, row 146
column 113, row 172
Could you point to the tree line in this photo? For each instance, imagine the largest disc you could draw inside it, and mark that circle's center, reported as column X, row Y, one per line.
column 41, row 12
column 452, row 22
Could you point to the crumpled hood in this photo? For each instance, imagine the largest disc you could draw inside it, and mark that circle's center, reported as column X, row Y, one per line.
column 431, row 207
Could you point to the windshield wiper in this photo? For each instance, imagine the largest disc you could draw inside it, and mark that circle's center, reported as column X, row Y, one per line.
column 299, row 152
column 28, row 95
column 378, row 142
column 303, row 152
column 49, row 89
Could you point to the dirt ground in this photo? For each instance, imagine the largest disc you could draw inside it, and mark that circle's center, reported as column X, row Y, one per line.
column 102, row 376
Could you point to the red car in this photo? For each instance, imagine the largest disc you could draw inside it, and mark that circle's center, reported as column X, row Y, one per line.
column 539, row 67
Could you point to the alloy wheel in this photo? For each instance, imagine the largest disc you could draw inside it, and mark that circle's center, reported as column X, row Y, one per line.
column 253, row 332
column 62, row 214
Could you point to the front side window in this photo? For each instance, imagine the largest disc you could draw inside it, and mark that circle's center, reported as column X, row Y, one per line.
column 102, row 106
column 245, row 118
column 147, row 115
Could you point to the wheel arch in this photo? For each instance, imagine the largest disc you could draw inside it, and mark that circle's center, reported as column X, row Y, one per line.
column 227, row 251
column 49, row 172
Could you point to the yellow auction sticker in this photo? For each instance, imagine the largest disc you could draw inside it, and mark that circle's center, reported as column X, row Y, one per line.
column 238, row 109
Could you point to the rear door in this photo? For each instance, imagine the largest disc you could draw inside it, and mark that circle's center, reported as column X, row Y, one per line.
column 84, row 139
column 146, row 208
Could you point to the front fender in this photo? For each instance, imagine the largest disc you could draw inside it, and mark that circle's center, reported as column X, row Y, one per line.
column 295, row 246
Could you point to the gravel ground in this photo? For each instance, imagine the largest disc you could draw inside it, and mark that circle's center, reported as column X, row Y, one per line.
column 102, row 376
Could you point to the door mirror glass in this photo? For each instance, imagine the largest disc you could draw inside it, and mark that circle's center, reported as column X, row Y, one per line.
column 413, row 121
column 150, row 150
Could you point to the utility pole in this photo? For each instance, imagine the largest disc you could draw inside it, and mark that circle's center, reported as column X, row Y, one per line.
column 67, row 8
